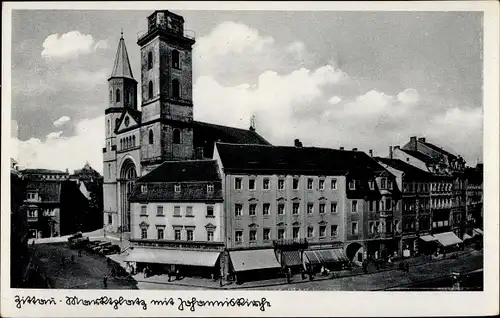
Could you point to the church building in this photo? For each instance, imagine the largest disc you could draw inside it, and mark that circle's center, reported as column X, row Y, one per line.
column 138, row 141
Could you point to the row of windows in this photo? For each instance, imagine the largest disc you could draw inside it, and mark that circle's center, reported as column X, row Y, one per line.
column 266, row 233
column 441, row 202
column 175, row 60
column 266, row 184
column 176, row 89
column 415, row 187
column 127, row 142
column 177, row 211
column 281, row 208
column 440, row 223
column 178, row 187
column 441, row 187
column 128, row 96
column 178, row 235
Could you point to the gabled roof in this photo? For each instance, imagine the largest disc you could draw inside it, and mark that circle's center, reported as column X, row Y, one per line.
column 133, row 113
column 42, row 171
column 410, row 172
column 267, row 159
column 438, row 149
column 419, row 156
column 121, row 67
column 183, row 171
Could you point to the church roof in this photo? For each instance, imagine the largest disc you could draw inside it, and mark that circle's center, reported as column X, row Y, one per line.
column 121, row 67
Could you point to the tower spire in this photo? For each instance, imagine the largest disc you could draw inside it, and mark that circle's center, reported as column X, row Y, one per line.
column 121, row 67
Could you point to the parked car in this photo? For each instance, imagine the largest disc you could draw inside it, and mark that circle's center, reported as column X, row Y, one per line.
column 92, row 244
column 99, row 247
column 79, row 242
column 111, row 249
column 75, row 236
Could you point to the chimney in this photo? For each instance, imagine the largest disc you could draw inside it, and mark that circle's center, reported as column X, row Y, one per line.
column 421, row 139
column 413, row 143
column 390, row 152
column 370, row 152
column 297, row 143
column 354, row 149
column 341, row 148
column 252, row 128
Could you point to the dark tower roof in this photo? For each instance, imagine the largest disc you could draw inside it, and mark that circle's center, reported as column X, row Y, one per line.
column 121, row 67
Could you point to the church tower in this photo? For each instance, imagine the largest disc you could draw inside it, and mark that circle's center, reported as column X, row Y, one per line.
column 122, row 89
column 166, row 82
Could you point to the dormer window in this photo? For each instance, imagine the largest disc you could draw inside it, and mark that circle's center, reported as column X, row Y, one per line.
column 210, row 188
column 389, row 184
column 383, row 183
column 177, row 188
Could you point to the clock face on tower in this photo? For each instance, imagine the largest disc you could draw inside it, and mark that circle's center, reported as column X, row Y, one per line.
column 127, row 121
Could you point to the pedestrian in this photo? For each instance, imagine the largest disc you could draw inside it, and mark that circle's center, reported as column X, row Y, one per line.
column 177, row 274
column 146, row 272
column 220, row 280
column 105, row 281
column 302, row 274
column 79, row 253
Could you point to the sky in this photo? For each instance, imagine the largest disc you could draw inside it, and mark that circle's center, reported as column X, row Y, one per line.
column 363, row 80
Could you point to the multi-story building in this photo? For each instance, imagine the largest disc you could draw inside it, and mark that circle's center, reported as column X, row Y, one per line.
column 42, row 202
column 136, row 141
column 308, row 205
column 447, row 189
column 177, row 218
column 474, row 198
column 416, row 217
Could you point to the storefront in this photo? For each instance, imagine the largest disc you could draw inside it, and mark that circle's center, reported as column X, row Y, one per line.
column 254, row 264
column 332, row 259
column 187, row 262
column 409, row 244
column 428, row 244
column 448, row 240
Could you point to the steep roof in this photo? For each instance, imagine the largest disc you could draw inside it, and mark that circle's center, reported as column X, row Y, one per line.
column 49, row 191
column 87, row 170
column 300, row 160
column 183, row 171
column 419, row 155
column 165, row 192
column 42, row 171
column 121, row 67
column 438, row 149
column 409, row 171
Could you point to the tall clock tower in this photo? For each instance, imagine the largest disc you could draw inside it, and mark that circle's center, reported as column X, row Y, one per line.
column 167, row 98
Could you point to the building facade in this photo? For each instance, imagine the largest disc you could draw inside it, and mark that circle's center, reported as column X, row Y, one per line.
column 323, row 205
column 136, row 142
column 177, row 217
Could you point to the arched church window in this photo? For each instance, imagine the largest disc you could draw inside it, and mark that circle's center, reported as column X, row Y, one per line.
column 150, row 89
column 117, row 95
column 150, row 60
column 175, row 59
column 150, row 137
column 109, row 126
column 110, row 96
column 175, row 88
column 177, row 136
column 121, row 144
column 133, row 141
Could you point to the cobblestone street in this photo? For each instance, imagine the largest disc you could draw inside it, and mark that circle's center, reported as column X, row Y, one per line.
column 88, row 271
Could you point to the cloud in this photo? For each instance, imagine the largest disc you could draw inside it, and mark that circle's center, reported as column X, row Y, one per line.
column 62, row 121
column 334, row 100
column 72, row 152
column 70, row 45
column 234, row 52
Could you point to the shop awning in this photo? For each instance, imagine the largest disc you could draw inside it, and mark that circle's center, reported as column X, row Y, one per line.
column 291, row 258
column 175, row 257
column 466, row 237
column 447, row 238
column 333, row 255
column 253, row 259
column 477, row 232
column 428, row 238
